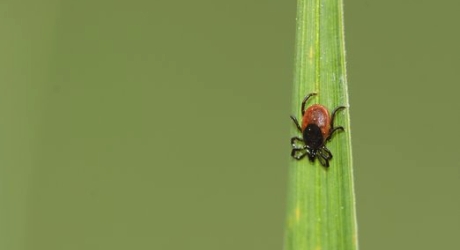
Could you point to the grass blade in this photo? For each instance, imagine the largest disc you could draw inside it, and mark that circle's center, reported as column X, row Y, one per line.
column 321, row 204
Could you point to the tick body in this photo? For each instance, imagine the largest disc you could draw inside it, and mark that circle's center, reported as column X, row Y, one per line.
column 317, row 129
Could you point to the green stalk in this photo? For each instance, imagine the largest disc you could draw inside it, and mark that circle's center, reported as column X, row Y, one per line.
column 321, row 204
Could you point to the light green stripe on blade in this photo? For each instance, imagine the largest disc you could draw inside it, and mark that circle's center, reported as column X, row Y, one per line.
column 321, row 205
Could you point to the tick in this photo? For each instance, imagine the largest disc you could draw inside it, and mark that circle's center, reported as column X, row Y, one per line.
column 317, row 129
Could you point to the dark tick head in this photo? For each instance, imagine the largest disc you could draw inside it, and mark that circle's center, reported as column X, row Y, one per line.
column 312, row 155
column 313, row 138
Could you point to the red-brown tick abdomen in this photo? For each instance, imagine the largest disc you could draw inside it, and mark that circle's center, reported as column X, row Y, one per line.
column 319, row 115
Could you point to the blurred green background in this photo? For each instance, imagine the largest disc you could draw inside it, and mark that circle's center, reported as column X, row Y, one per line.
column 165, row 124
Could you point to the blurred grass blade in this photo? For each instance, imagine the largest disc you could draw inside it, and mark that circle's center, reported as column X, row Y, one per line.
column 321, row 204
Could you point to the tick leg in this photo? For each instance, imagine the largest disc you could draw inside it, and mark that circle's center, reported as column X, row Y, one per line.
column 305, row 101
column 333, row 114
column 296, row 123
column 293, row 139
column 331, row 132
column 325, row 153
column 323, row 161
column 298, row 157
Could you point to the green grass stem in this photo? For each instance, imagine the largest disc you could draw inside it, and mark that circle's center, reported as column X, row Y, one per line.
column 321, row 205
